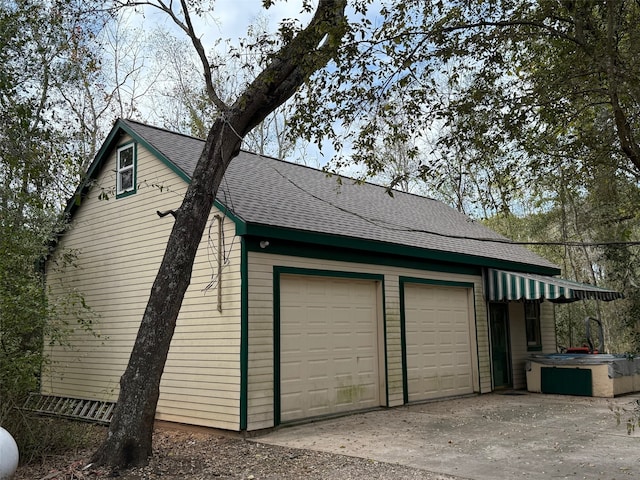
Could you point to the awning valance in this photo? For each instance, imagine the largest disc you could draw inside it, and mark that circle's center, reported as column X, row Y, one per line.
column 503, row 285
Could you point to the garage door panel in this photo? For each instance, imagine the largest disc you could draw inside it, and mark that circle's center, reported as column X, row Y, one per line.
column 438, row 345
column 329, row 331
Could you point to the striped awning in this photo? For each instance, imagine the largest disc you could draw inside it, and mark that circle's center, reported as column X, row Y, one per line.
column 505, row 286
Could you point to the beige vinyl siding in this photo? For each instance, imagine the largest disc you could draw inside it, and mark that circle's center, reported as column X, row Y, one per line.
column 260, row 286
column 518, row 338
column 548, row 327
column 120, row 243
column 518, row 341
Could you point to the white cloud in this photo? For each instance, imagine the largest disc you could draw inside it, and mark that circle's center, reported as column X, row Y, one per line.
column 229, row 19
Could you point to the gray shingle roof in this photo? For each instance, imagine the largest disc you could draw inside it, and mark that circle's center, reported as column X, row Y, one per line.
column 265, row 191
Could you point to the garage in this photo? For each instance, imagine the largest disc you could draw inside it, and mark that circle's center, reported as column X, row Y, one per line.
column 329, row 359
column 438, row 341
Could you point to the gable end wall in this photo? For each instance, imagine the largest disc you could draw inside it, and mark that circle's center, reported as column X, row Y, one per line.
column 120, row 243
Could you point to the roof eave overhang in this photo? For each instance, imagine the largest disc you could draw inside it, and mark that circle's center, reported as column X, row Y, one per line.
column 322, row 239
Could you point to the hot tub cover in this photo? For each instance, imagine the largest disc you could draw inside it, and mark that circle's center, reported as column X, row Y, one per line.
column 505, row 286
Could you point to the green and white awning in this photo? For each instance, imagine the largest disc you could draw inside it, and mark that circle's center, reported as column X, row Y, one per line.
column 506, row 286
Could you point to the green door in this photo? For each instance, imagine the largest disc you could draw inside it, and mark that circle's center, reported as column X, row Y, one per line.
column 500, row 357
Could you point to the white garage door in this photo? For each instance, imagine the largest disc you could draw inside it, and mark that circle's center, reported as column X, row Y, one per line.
column 328, row 346
column 438, row 346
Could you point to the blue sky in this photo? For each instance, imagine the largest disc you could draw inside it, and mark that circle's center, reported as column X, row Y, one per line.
column 231, row 18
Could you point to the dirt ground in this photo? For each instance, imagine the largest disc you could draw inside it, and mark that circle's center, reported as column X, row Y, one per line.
column 201, row 454
column 501, row 435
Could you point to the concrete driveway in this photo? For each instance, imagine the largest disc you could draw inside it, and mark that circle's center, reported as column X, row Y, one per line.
column 496, row 436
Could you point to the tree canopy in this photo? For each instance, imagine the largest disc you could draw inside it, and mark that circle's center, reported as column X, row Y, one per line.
column 503, row 108
column 522, row 113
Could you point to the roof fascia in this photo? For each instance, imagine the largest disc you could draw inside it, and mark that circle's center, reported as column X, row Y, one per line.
column 240, row 224
column 269, row 231
column 110, row 142
column 156, row 153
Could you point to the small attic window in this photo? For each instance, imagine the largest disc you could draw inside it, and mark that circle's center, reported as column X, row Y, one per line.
column 126, row 170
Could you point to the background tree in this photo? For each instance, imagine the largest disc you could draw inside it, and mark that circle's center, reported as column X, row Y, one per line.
column 38, row 164
column 529, row 95
column 182, row 103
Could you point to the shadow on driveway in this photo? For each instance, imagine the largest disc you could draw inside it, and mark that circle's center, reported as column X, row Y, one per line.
column 487, row 437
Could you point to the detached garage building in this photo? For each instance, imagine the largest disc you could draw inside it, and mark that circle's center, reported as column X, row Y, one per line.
column 309, row 297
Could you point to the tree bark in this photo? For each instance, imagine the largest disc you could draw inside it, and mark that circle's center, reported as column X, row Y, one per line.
column 130, row 434
column 628, row 143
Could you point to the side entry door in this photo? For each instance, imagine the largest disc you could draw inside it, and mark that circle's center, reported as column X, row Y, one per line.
column 500, row 345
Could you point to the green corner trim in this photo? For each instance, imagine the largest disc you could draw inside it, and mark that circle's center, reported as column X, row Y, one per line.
column 244, row 335
column 403, row 345
column 277, row 272
column 402, row 281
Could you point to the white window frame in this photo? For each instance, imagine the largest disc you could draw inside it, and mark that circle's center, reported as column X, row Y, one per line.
column 120, row 170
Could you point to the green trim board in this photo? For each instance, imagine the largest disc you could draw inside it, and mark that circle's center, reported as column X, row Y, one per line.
column 327, row 252
column 403, row 328
column 244, row 335
column 115, row 136
column 272, row 233
column 282, row 270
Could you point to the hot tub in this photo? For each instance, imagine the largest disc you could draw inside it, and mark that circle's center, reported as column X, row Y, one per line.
column 594, row 375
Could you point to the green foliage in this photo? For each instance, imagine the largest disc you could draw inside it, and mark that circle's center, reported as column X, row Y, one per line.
column 39, row 437
column 37, row 170
column 516, row 90
column 522, row 112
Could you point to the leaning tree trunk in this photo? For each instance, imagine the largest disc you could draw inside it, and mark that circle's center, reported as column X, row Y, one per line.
column 129, row 439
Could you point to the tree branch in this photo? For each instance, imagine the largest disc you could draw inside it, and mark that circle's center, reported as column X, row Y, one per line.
column 294, row 63
column 187, row 27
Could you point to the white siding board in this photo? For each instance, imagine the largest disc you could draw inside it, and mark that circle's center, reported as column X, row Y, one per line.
column 120, row 243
